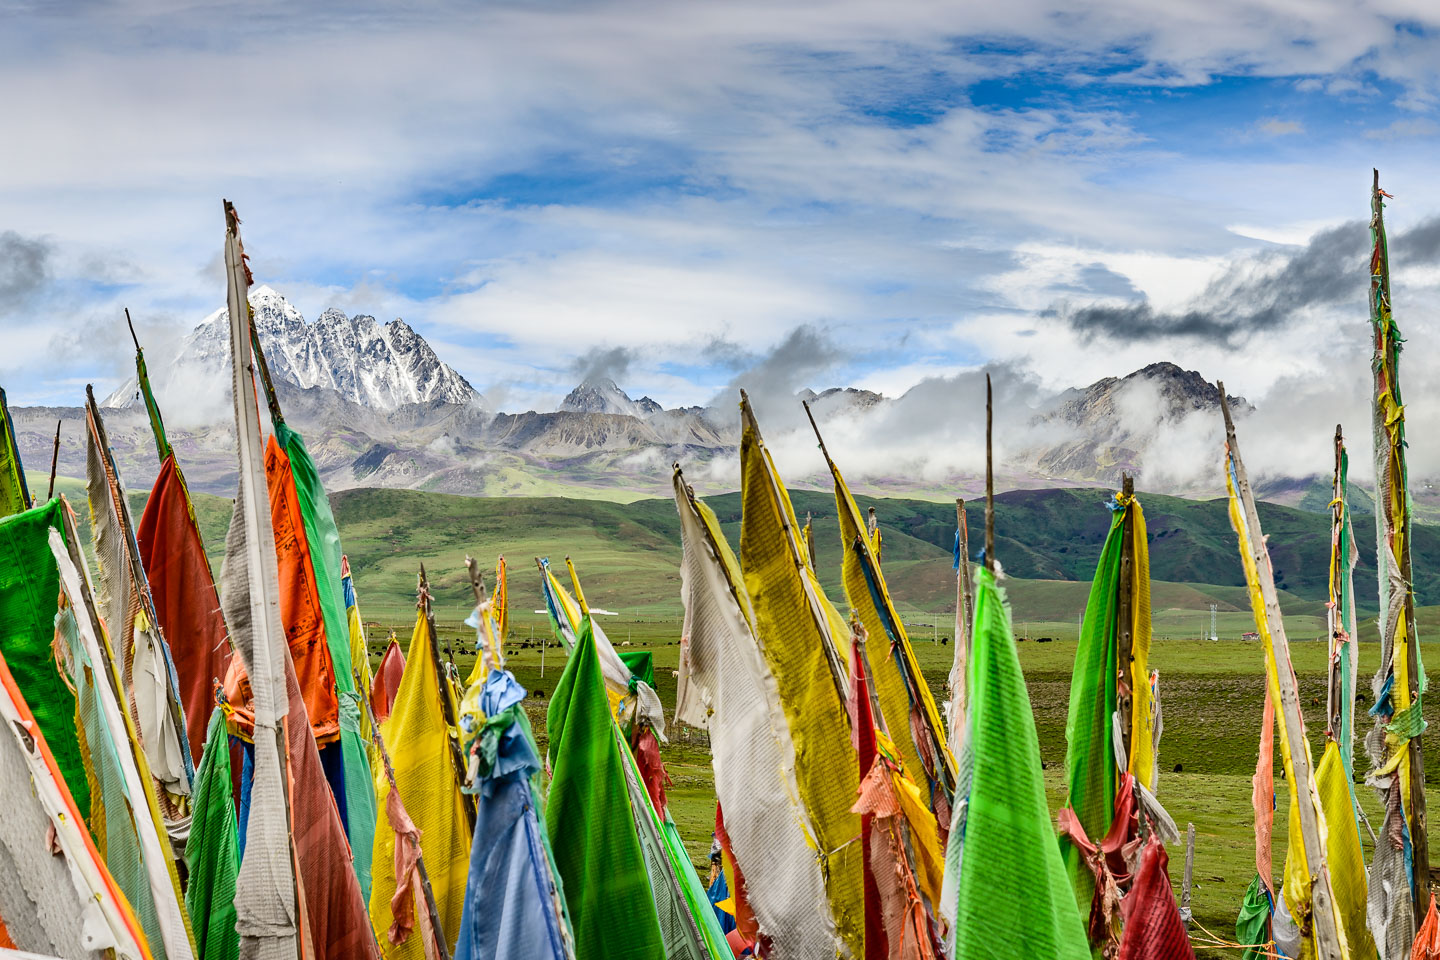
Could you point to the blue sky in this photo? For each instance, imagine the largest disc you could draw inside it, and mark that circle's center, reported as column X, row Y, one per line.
column 678, row 188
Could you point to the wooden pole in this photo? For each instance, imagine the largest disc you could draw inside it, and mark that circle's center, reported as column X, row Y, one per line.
column 966, row 600
column 810, row 540
column 1419, row 837
column 1278, row 664
column 1185, row 913
column 54, row 461
column 989, row 478
column 429, row 892
column 271, row 399
column 1333, row 614
column 446, row 706
column 477, row 586
column 1125, row 616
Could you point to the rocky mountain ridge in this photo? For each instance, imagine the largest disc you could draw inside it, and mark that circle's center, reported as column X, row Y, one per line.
column 379, row 407
column 379, row 366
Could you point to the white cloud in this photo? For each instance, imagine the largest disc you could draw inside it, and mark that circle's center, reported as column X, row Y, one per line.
column 1275, row 127
column 752, row 175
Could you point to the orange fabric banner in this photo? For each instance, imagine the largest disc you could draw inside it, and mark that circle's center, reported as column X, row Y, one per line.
column 300, row 599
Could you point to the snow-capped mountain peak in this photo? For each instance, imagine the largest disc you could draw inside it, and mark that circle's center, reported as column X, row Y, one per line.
column 381, row 367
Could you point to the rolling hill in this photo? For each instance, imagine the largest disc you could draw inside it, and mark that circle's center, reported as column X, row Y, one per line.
column 1048, row 542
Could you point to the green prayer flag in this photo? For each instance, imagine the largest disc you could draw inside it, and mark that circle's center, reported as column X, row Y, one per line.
column 14, row 495
column 590, row 822
column 1013, row 898
column 1252, row 927
column 212, row 853
column 1090, row 774
column 29, row 597
column 641, row 664
column 323, row 538
column 157, row 423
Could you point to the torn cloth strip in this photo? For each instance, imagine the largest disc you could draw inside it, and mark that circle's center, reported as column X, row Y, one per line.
column 1107, row 859
column 1011, row 864
column 1153, row 928
column 589, row 820
column 862, row 726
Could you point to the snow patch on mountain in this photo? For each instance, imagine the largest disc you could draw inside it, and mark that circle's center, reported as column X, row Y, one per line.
column 382, row 367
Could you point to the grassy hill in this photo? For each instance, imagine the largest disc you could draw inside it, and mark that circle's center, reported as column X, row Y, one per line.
column 1047, row 540
column 629, row 553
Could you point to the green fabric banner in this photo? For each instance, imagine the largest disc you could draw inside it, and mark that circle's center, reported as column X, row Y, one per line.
column 212, row 853
column 1090, row 774
column 1252, row 927
column 1014, row 899
column 591, row 825
column 323, row 538
column 29, row 597
column 14, row 495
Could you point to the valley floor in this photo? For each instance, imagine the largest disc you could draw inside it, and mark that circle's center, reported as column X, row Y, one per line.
column 1212, row 695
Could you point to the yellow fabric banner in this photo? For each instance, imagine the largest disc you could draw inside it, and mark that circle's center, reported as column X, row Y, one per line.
column 795, row 628
column 1344, row 853
column 418, row 741
column 1142, row 720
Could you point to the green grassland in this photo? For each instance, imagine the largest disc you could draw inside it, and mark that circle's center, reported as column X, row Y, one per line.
column 1212, row 695
column 1048, row 541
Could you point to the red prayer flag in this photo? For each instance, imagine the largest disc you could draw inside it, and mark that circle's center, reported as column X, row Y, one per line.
column 186, row 603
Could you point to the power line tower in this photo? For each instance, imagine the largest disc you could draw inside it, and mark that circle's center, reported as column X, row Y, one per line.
column 1214, row 619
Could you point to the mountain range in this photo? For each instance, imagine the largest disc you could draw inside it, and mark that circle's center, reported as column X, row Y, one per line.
column 380, row 408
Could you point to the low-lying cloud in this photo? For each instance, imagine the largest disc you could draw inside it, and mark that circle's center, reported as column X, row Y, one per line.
column 25, row 268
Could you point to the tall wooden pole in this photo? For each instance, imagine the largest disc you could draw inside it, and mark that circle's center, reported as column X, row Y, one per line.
column 1334, row 616
column 1125, row 615
column 1385, row 365
column 54, row 460
column 447, row 707
column 964, row 619
column 989, row 477
column 1282, row 674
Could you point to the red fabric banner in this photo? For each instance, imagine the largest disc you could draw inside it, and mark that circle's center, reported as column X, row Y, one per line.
column 186, row 603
